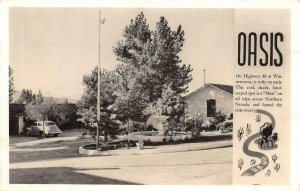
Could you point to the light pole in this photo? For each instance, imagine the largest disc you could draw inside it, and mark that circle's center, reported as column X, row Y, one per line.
column 100, row 21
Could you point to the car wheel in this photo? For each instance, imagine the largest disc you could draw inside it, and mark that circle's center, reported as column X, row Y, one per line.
column 164, row 141
column 42, row 134
column 55, row 135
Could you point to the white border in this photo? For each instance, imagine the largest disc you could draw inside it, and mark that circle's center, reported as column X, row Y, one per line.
column 294, row 6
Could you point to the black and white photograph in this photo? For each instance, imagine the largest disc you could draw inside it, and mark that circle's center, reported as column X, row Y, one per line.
column 141, row 95
column 121, row 96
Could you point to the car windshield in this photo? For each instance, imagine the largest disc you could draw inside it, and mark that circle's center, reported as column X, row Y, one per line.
column 49, row 123
column 150, row 133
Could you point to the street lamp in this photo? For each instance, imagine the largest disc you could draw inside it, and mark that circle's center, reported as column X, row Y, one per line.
column 100, row 21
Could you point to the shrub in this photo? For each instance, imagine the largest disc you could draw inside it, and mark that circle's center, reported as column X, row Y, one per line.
column 220, row 117
column 195, row 125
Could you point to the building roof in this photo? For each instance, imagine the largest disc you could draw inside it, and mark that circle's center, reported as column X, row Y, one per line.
column 225, row 88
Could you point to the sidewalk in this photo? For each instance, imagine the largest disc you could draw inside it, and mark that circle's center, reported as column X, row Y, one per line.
column 159, row 149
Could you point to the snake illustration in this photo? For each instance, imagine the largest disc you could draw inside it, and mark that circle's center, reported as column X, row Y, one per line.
column 264, row 159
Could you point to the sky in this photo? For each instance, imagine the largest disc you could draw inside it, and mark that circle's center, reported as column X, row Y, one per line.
column 51, row 49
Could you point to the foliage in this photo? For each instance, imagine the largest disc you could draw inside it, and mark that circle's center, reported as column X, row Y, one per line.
column 149, row 63
column 39, row 97
column 88, row 102
column 266, row 130
column 219, row 117
column 62, row 114
column 170, row 105
column 11, row 84
column 131, row 104
column 41, row 111
column 194, row 124
column 26, row 96
column 89, row 116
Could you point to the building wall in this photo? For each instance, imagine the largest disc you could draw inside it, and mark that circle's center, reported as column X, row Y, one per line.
column 15, row 110
column 197, row 102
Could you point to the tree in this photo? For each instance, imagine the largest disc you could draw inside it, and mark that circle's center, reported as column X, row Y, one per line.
column 164, row 55
column 192, row 123
column 88, row 102
column 26, row 96
column 48, row 109
column 39, row 97
column 11, row 84
column 41, row 111
column 89, row 116
column 63, row 114
column 170, row 105
column 149, row 63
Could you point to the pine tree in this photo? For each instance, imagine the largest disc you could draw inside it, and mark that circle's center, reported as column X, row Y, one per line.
column 26, row 96
column 39, row 97
column 149, row 62
column 88, row 102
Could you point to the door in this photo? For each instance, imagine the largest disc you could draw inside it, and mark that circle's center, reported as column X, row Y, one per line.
column 21, row 124
column 33, row 129
column 39, row 127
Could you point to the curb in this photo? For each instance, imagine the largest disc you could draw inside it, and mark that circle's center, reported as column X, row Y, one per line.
column 157, row 150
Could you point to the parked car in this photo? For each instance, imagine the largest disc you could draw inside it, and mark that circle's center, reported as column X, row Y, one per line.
column 148, row 136
column 43, row 128
column 134, row 137
column 180, row 136
column 154, row 137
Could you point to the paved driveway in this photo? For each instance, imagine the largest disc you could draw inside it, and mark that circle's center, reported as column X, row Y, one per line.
column 28, row 149
column 56, row 161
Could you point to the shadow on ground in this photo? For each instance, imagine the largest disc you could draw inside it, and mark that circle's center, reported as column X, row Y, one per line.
column 59, row 175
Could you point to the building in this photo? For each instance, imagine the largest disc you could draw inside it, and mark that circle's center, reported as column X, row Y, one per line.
column 16, row 118
column 209, row 99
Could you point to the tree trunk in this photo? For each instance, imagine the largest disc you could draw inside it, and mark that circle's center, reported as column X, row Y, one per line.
column 105, row 135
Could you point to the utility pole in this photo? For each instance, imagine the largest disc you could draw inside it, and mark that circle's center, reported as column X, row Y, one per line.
column 204, row 77
column 100, row 21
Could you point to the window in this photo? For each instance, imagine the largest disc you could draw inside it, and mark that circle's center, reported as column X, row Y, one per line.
column 48, row 123
column 211, row 108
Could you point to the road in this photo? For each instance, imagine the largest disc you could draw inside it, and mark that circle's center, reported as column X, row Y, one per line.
column 61, row 164
column 264, row 158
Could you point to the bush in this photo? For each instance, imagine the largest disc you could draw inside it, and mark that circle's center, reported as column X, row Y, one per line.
column 195, row 125
column 220, row 117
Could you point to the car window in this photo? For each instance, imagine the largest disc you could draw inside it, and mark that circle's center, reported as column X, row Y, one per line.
column 39, row 124
column 35, row 124
column 49, row 123
column 136, row 133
